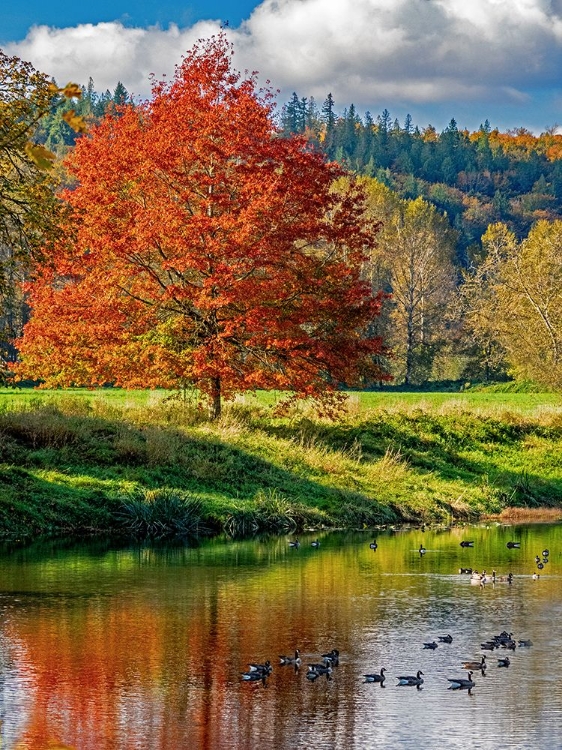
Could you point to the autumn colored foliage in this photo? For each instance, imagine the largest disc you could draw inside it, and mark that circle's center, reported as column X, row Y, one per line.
column 204, row 249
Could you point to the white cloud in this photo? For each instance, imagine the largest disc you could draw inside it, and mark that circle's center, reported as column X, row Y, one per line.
column 397, row 52
column 109, row 52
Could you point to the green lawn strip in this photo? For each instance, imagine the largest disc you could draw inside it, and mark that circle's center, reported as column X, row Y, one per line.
column 71, row 462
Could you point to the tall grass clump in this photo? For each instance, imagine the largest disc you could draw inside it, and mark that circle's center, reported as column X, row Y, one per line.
column 162, row 514
column 271, row 512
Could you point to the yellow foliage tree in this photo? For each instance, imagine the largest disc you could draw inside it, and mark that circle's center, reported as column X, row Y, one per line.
column 516, row 300
column 413, row 262
column 28, row 204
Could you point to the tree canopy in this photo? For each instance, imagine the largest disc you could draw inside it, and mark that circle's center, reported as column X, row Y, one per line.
column 29, row 208
column 515, row 300
column 27, row 202
column 203, row 248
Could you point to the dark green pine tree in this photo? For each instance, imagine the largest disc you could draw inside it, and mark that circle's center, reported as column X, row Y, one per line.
column 120, row 95
column 351, row 138
column 382, row 150
column 312, row 116
column 365, row 143
column 329, row 122
column 102, row 103
column 293, row 115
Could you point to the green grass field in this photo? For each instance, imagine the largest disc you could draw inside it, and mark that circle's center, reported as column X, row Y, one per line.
column 87, row 461
column 488, row 401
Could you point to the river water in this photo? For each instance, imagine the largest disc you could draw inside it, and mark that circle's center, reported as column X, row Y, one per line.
column 122, row 648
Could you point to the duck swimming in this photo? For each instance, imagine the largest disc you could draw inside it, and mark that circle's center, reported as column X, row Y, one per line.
column 264, row 668
column 411, row 679
column 475, row 664
column 254, row 677
column 296, row 659
column 333, row 657
column 375, row 677
column 461, row 682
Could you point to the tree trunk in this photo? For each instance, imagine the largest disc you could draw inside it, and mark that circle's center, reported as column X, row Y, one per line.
column 215, row 405
column 409, row 346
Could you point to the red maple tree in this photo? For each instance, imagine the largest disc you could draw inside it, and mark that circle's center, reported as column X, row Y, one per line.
column 204, row 248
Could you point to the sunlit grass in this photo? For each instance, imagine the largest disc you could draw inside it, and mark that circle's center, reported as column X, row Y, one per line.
column 72, row 460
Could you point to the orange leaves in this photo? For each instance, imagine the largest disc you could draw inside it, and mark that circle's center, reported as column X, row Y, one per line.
column 216, row 252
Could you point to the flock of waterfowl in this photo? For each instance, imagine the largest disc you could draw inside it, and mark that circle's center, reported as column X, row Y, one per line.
column 259, row 672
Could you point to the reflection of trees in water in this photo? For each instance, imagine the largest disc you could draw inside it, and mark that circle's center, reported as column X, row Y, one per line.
column 143, row 648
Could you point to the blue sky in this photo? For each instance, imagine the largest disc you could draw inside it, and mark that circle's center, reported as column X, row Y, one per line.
column 17, row 18
column 473, row 60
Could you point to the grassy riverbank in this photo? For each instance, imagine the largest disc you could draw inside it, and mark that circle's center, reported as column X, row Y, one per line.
column 110, row 460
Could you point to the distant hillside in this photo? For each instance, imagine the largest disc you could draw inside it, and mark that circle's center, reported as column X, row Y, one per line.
column 475, row 178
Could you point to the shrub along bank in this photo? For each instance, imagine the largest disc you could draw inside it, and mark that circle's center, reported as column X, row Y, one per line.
column 157, row 468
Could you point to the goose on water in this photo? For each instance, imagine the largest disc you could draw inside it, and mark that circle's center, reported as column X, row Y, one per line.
column 254, row 677
column 295, row 543
column 513, row 545
column 375, row 677
column 320, row 668
column 505, row 662
column 312, row 675
column 489, row 646
column 373, row 544
column 332, row 656
column 315, row 670
column 261, row 668
column 315, row 543
column 296, row 659
column 422, row 550
column 461, row 682
column 411, row 679
column 432, row 645
column 467, row 544
column 475, row 664
column 445, row 638
column 503, row 637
